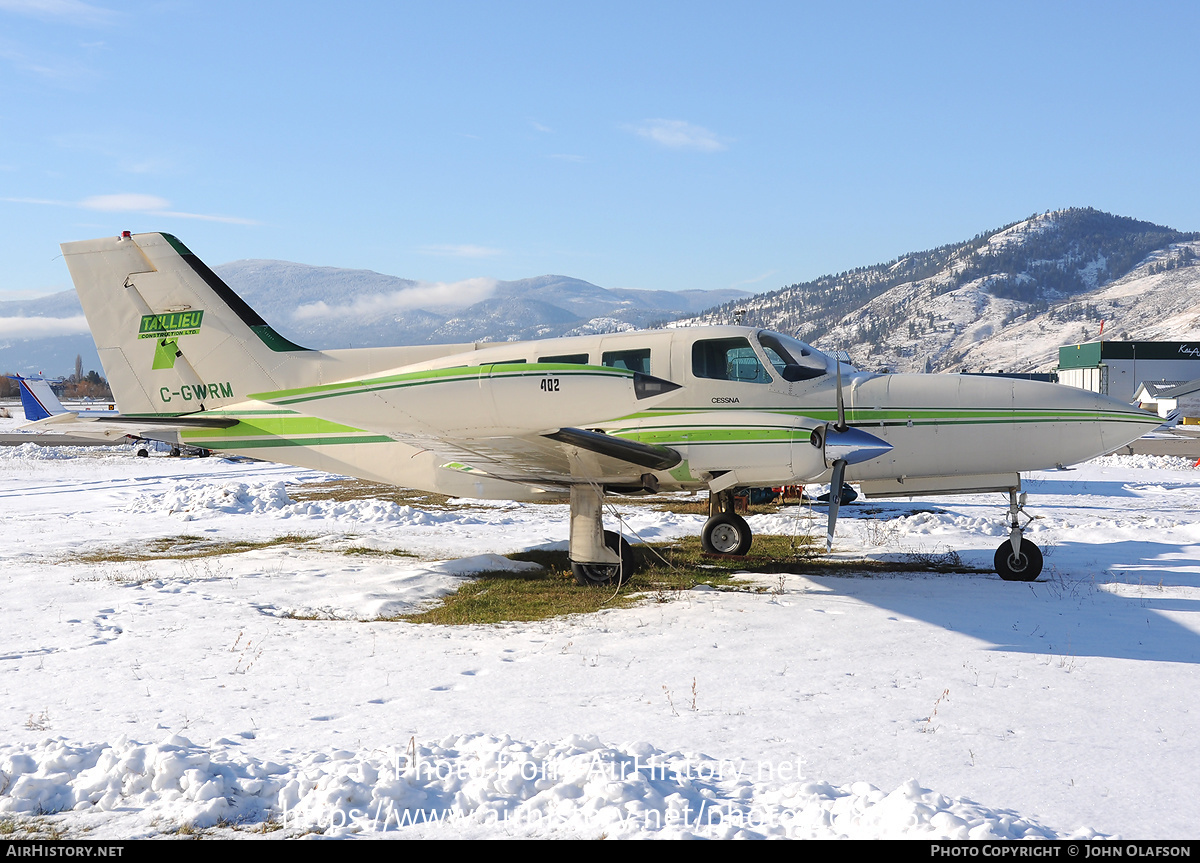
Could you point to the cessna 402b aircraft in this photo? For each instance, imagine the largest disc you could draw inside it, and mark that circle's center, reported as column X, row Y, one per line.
column 716, row 408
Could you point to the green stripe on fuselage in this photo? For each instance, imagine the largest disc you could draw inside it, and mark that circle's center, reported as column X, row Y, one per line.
column 433, row 376
column 918, row 416
column 281, row 426
column 717, row 435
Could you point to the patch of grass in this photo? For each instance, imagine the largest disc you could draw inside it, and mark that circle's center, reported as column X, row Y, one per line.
column 360, row 489
column 499, row 597
column 363, row 551
column 184, row 548
column 691, row 505
column 325, row 613
column 667, row 570
column 38, row 827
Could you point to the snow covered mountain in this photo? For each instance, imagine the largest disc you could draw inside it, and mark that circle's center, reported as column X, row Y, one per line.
column 327, row 307
column 1004, row 301
column 331, row 307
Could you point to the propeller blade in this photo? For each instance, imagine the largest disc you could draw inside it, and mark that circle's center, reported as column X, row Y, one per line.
column 841, row 405
column 835, row 499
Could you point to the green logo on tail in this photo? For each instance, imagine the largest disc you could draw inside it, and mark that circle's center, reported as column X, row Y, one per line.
column 167, row 328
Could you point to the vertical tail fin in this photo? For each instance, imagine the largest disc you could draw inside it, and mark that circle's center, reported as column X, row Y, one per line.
column 38, row 400
column 173, row 338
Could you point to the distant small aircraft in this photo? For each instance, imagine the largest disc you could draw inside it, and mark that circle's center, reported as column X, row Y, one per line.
column 47, row 414
column 39, row 401
column 707, row 408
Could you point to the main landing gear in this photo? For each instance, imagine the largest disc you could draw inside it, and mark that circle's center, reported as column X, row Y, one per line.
column 725, row 532
column 1018, row 559
column 598, row 556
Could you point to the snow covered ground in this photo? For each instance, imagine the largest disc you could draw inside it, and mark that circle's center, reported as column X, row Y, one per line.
column 259, row 689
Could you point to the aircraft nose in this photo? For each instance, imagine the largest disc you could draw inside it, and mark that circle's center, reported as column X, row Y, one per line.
column 853, row 445
column 1085, row 422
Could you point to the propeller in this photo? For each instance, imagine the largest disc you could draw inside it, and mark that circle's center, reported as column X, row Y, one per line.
column 843, row 445
column 839, row 465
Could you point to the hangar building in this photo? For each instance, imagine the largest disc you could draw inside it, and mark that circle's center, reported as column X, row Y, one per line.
column 1119, row 368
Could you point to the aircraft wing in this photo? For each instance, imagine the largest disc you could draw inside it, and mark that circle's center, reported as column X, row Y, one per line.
column 553, row 460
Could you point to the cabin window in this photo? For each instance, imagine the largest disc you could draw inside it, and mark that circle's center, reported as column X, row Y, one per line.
column 728, row 360
column 568, row 359
column 635, row 361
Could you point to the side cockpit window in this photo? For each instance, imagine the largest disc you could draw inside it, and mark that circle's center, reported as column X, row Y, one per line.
column 636, row 360
column 728, row 360
column 794, row 360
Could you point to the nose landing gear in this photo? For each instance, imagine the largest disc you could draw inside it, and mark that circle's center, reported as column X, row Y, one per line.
column 1018, row 559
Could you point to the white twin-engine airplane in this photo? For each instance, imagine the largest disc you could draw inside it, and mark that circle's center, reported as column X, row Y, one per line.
column 716, row 408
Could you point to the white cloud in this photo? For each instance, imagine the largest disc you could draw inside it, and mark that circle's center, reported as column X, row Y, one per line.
column 679, row 135
column 71, row 11
column 126, row 202
column 205, row 217
column 461, row 251
column 765, row 275
column 63, row 72
column 45, row 201
column 31, row 328
column 133, row 202
column 425, row 294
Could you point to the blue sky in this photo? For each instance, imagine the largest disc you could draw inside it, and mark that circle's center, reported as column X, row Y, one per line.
column 647, row 145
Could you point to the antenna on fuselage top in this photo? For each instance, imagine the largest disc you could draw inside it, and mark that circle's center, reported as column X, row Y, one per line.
column 739, row 315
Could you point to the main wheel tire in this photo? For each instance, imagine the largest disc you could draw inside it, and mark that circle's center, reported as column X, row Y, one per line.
column 1026, row 566
column 726, row 533
column 597, row 574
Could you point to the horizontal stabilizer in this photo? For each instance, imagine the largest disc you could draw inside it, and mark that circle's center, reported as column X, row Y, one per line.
column 191, row 421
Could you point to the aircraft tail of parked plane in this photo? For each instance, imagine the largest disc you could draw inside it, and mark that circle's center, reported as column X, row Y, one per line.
column 705, row 408
column 37, row 399
column 42, row 405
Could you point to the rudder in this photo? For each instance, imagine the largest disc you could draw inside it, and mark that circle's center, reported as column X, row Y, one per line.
column 37, row 399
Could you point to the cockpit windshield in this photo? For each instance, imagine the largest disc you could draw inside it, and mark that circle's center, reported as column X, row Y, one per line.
column 792, row 359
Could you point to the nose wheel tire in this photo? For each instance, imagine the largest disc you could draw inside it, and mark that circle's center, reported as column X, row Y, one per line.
column 597, row 574
column 726, row 533
column 1026, row 566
